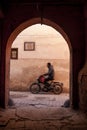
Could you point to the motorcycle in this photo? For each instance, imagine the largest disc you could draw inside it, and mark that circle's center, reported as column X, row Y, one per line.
column 39, row 85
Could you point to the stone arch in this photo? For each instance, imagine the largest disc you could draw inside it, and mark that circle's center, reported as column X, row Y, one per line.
column 21, row 28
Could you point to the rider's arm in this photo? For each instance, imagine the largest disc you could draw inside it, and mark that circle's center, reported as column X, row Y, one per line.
column 46, row 74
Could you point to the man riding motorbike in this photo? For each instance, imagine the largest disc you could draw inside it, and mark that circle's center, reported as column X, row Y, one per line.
column 49, row 75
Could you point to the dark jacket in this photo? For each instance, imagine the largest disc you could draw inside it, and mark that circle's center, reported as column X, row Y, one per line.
column 50, row 72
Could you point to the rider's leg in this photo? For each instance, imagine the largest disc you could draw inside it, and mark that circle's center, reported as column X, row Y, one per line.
column 46, row 82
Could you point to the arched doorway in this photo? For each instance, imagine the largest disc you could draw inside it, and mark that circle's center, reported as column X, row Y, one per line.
column 18, row 30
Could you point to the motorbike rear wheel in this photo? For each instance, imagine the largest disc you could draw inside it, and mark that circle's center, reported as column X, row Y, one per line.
column 35, row 88
column 57, row 88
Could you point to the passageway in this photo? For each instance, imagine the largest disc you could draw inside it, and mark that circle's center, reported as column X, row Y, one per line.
column 41, row 111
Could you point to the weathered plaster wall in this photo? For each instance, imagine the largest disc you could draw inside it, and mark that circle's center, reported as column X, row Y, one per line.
column 50, row 46
column 24, row 72
column 49, row 43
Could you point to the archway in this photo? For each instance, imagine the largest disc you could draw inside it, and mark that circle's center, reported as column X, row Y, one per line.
column 22, row 27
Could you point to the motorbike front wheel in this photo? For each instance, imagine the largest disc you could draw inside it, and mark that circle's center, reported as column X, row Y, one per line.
column 35, row 88
column 57, row 89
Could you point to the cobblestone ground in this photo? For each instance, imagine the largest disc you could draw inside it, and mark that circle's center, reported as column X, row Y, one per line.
column 40, row 112
column 21, row 99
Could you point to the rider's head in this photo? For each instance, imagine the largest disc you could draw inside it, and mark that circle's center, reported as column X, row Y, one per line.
column 48, row 64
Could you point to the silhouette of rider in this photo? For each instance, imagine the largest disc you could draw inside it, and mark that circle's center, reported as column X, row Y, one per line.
column 50, row 74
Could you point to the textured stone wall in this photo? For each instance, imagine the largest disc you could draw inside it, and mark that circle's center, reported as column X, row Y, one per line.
column 83, row 88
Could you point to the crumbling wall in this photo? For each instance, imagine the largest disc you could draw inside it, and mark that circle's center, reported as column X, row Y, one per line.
column 83, row 88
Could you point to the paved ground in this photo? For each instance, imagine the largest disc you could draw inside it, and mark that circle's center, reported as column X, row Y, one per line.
column 40, row 112
column 21, row 99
